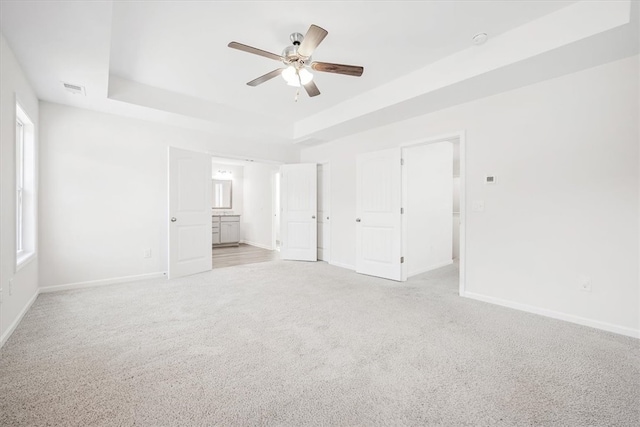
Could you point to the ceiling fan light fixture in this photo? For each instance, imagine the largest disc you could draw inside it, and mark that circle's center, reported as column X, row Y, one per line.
column 305, row 76
column 290, row 75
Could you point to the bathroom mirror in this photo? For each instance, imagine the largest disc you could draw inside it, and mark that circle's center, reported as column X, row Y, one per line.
column 222, row 194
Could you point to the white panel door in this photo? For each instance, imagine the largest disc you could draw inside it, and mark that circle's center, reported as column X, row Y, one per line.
column 378, row 222
column 324, row 224
column 298, row 204
column 189, row 212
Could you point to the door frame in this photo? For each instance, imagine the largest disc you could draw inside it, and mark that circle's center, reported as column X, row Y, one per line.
column 327, row 163
column 243, row 159
column 459, row 137
column 275, row 210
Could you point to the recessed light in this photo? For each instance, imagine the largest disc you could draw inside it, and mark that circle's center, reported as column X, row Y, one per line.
column 480, row 38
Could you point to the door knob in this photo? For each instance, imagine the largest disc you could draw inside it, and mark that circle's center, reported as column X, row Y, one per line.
column 313, row 217
column 357, row 219
column 327, row 217
column 173, row 219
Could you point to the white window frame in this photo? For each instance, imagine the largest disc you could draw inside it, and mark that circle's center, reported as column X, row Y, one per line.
column 19, row 187
column 26, row 200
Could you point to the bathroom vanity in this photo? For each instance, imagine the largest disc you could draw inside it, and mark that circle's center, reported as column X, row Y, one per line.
column 225, row 230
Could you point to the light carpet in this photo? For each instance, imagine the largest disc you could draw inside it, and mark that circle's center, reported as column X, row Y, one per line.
column 293, row 344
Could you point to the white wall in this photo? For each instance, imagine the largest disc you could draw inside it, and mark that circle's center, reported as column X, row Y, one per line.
column 428, row 206
column 13, row 85
column 565, row 206
column 237, row 185
column 104, row 192
column 257, row 220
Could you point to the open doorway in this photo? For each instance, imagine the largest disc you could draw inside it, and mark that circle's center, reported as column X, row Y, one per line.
column 433, row 202
column 242, row 212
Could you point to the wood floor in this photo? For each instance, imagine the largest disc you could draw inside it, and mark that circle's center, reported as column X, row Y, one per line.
column 243, row 254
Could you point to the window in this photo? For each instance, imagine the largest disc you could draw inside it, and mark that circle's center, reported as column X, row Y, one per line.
column 25, row 188
column 19, row 186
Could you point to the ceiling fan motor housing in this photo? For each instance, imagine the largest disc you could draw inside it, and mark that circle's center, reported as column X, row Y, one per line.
column 296, row 38
column 290, row 53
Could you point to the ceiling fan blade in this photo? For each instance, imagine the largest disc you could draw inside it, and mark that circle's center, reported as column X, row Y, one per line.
column 327, row 67
column 312, row 89
column 254, row 50
column 266, row 77
column 311, row 40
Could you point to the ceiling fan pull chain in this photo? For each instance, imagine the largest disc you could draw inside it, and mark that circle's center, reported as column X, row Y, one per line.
column 300, row 82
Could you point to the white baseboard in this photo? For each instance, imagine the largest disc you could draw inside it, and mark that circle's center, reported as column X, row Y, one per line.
column 257, row 245
column 431, row 267
column 342, row 265
column 102, row 282
column 324, row 255
column 18, row 319
column 622, row 330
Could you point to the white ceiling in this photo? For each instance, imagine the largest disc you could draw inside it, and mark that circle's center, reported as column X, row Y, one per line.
column 183, row 47
column 169, row 61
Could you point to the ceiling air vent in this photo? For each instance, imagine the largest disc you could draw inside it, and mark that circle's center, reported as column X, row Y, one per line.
column 74, row 89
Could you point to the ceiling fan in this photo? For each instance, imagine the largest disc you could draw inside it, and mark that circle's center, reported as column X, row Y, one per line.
column 297, row 60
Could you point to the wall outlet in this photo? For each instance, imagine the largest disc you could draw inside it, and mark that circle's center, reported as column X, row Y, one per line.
column 10, row 287
column 147, row 253
column 477, row 206
column 585, row 284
